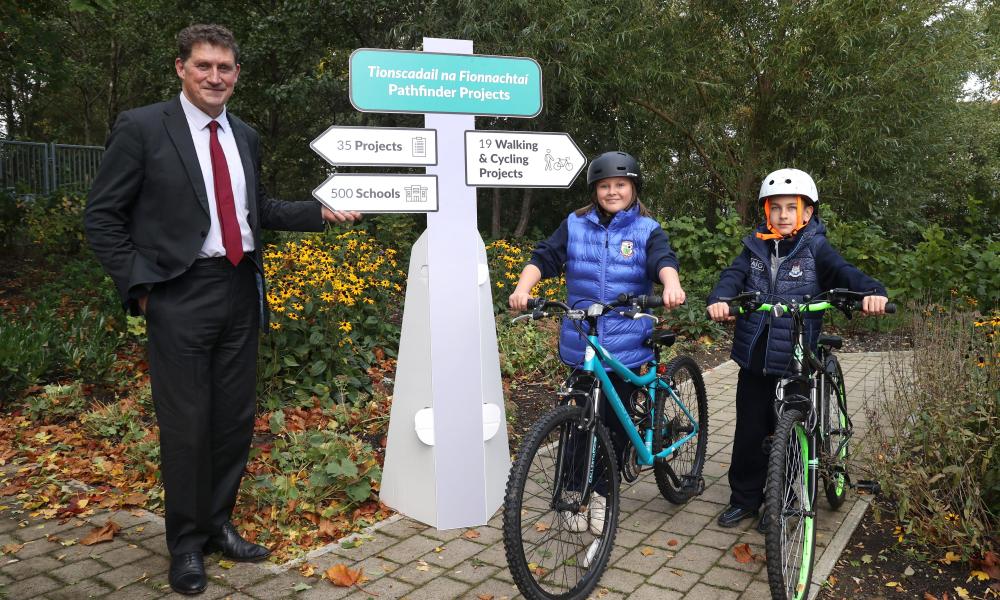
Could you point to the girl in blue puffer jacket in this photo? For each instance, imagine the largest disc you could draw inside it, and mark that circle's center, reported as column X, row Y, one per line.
column 609, row 247
column 790, row 256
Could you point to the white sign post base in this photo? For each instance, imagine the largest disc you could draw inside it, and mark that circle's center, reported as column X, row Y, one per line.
column 448, row 357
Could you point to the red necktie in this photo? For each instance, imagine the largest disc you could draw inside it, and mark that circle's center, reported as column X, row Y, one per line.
column 232, row 240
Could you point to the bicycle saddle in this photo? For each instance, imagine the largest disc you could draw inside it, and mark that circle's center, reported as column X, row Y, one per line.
column 831, row 341
column 660, row 338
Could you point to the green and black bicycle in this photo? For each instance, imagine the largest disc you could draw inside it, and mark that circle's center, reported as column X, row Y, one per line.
column 811, row 439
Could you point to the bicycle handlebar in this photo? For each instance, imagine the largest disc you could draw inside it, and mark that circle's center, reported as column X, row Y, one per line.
column 638, row 304
column 843, row 300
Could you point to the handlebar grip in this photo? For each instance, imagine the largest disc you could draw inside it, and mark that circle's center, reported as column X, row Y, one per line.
column 652, row 301
column 534, row 303
column 890, row 309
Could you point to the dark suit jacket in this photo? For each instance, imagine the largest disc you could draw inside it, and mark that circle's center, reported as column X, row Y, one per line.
column 147, row 213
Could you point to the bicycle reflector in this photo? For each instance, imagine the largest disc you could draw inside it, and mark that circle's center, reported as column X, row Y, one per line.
column 661, row 369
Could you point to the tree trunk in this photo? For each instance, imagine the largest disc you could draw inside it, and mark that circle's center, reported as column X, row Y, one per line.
column 522, row 223
column 495, row 224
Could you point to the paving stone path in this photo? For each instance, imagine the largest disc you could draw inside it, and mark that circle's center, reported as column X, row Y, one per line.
column 661, row 552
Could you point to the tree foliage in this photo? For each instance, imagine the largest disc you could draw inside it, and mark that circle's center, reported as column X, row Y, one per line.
column 867, row 96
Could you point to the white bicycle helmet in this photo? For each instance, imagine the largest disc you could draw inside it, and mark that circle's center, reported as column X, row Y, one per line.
column 789, row 182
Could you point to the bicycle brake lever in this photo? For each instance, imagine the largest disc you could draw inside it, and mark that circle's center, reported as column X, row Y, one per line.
column 642, row 315
column 520, row 318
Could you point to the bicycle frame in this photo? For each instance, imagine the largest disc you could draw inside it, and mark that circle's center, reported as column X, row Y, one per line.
column 596, row 358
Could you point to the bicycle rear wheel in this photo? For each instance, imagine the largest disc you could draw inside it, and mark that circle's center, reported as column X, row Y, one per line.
column 679, row 475
column 790, row 538
column 550, row 554
column 836, row 432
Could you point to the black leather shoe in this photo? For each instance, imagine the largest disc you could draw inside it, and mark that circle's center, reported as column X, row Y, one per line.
column 187, row 573
column 234, row 547
column 733, row 515
column 763, row 523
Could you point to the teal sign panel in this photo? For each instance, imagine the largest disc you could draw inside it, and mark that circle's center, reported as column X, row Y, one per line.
column 428, row 82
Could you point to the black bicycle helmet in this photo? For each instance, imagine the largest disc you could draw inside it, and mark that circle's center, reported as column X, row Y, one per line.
column 614, row 164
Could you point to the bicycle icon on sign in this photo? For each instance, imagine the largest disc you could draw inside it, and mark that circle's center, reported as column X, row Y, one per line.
column 555, row 164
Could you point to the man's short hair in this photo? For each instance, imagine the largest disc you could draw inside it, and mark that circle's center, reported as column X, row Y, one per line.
column 215, row 35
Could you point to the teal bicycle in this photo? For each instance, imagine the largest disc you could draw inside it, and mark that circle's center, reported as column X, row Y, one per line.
column 562, row 500
column 811, row 438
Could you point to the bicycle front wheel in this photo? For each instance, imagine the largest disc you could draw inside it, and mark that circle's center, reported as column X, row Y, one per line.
column 679, row 475
column 790, row 538
column 557, row 545
column 836, row 433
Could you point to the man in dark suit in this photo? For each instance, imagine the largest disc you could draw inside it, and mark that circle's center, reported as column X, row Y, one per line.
column 174, row 216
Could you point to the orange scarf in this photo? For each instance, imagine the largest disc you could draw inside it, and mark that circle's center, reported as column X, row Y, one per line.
column 774, row 235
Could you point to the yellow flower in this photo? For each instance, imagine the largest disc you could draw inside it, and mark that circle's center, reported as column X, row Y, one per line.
column 275, row 326
column 345, row 326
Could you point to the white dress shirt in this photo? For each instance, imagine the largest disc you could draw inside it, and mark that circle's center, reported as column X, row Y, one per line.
column 201, row 134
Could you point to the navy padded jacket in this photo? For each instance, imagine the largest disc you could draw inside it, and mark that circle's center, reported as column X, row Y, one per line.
column 811, row 266
column 601, row 263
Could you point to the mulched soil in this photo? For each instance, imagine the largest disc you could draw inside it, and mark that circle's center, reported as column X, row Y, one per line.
column 877, row 565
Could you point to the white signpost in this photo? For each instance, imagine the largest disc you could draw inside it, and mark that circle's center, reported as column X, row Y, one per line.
column 521, row 159
column 447, row 454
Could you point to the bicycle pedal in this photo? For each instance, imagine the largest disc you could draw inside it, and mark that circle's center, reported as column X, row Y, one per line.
column 868, row 486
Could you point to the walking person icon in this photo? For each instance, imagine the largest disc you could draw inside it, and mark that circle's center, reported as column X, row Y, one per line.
column 548, row 160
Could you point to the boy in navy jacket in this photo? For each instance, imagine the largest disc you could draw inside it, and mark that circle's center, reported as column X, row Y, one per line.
column 790, row 256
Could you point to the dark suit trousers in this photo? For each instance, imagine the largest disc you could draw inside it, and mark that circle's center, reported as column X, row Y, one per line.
column 202, row 328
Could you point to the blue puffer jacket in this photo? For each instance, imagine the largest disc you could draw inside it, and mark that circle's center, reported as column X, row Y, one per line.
column 601, row 263
column 796, row 276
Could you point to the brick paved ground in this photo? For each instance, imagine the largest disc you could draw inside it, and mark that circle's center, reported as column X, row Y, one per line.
column 699, row 565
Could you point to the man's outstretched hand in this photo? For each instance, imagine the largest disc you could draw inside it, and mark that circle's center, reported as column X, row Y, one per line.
column 340, row 216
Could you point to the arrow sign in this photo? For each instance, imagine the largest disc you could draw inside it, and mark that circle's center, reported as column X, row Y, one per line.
column 374, row 193
column 520, row 159
column 377, row 146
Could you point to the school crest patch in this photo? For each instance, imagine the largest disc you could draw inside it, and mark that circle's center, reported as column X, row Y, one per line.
column 628, row 247
column 796, row 270
column 756, row 264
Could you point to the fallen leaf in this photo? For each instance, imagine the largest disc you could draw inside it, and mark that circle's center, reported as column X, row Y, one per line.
column 831, row 580
column 866, row 558
column 989, row 564
column 470, row 534
column 909, row 571
column 950, row 557
column 929, row 596
column 340, row 575
column 307, row 570
column 891, row 584
column 979, row 575
column 742, row 554
column 541, row 526
column 485, row 597
column 226, row 564
column 12, row 548
column 647, row 551
column 439, row 549
column 672, row 542
column 301, row 587
column 327, row 528
column 136, row 499
column 962, row 593
column 105, row 533
column 423, row 566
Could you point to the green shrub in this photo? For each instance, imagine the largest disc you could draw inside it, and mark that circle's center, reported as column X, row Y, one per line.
column 54, row 223
column 26, row 353
column 121, row 422
column 529, row 350
column 335, row 299
column 57, row 403
column 937, row 447
column 321, row 471
column 703, row 252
